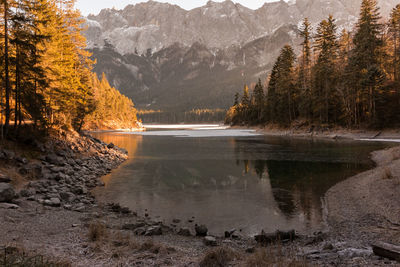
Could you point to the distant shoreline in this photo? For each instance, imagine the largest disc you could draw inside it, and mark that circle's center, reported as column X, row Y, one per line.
column 392, row 135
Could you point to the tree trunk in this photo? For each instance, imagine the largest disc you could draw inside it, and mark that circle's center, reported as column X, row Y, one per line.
column 6, row 68
column 17, row 94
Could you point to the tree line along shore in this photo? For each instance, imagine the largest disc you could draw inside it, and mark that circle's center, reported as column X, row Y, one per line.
column 351, row 79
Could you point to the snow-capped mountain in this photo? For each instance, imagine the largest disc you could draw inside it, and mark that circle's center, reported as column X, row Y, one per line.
column 201, row 56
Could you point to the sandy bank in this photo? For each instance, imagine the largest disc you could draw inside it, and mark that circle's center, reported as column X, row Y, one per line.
column 366, row 207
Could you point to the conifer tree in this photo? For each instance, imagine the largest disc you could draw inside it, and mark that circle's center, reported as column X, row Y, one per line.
column 304, row 77
column 326, row 47
column 365, row 65
column 281, row 87
column 259, row 100
column 394, row 29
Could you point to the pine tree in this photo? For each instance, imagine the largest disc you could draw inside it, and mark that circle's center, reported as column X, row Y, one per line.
column 326, row 47
column 394, row 29
column 281, row 88
column 304, row 77
column 259, row 101
column 365, row 65
column 271, row 94
column 345, row 93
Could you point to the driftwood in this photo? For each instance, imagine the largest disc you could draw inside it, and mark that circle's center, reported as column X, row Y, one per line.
column 378, row 134
column 387, row 251
column 278, row 236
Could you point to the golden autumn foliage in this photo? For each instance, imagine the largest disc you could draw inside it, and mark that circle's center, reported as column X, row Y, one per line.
column 48, row 77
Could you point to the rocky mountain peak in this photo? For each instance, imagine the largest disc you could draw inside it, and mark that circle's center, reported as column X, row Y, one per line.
column 218, row 46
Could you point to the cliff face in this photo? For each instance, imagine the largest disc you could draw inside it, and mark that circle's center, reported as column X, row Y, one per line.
column 166, row 57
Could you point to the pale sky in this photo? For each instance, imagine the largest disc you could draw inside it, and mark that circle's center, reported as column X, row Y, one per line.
column 94, row 6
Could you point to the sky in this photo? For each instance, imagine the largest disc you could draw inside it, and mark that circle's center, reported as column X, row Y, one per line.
column 94, row 6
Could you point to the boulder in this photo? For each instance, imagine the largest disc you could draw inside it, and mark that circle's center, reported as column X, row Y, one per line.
column 110, row 145
column 210, row 241
column 133, row 226
column 184, row 232
column 201, row 230
column 8, row 206
column 153, row 230
column 8, row 154
column 4, row 178
column 7, row 193
column 229, row 233
column 27, row 192
column 67, row 196
column 55, row 202
column 278, row 236
column 54, row 159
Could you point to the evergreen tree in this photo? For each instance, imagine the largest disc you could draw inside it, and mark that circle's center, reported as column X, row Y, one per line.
column 259, row 100
column 394, row 29
column 304, row 77
column 326, row 47
column 365, row 65
column 281, row 88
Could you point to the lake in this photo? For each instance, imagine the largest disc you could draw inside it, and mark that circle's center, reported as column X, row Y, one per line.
column 227, row 179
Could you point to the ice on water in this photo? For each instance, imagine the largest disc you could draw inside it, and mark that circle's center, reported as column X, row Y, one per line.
column 195, row 130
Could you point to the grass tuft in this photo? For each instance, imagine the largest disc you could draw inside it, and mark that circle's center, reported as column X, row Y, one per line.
column 97, row 231
column 152, row 247
column 387, row 173
column 274, row 258
column 218, row 257
column 16, row 257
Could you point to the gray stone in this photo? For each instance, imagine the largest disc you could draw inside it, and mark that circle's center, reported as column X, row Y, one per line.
column 201, row 230
column 9, row 154
column 7, row 193
column 153, row 230
column 67, row 196
column 8, row 206
column 4, row 178
column 110, row 145
column 210, row 241
column 22, row 160
column 133, row 226
column 184, row 231
column 54, row 159
column 54, row 202
column 27, row 192
column 140, row 231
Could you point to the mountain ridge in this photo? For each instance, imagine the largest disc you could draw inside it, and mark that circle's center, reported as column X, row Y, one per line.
column 165, row 57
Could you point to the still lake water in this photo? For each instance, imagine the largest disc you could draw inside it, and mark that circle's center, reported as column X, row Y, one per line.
column 230, row 178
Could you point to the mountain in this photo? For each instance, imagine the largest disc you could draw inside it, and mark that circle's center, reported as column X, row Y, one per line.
column 165, row 57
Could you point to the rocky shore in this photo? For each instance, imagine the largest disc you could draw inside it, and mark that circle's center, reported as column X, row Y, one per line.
column 47, row 209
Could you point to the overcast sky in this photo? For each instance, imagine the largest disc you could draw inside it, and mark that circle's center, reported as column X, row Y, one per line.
column 94, row 6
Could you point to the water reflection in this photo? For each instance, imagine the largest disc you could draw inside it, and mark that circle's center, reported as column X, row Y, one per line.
column 226, row 182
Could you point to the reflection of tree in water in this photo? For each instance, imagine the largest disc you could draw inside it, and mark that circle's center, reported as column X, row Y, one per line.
column 297, row 186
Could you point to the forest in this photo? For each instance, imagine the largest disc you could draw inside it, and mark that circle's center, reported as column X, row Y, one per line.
column 46, row 73
column 348, row 79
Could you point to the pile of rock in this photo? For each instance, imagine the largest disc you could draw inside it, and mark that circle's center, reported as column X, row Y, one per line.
column 66, row 171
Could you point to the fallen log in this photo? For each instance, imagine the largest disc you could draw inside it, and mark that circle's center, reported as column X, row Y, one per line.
column 278, row 236
column 386, row 250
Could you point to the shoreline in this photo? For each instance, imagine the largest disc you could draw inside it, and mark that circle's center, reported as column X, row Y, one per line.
column 44, row 225
column 335, row 134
